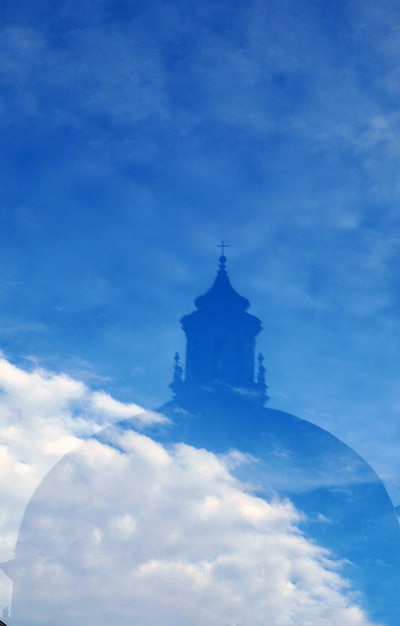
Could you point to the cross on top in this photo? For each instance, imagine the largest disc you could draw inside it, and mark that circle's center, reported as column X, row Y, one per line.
column 223, row 245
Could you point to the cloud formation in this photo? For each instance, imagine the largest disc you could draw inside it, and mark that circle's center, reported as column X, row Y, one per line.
column 43, row 415
column 131, row 531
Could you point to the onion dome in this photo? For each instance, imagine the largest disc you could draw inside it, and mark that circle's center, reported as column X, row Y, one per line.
column 222, row 294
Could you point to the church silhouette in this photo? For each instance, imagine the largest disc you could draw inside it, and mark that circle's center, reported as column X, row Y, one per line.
column 218, row 405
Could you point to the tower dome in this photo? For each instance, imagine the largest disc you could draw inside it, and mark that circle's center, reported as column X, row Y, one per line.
column 222, row 295
column 221, row 339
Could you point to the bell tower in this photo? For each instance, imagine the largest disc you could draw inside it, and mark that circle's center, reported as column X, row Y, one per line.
column 220, row 344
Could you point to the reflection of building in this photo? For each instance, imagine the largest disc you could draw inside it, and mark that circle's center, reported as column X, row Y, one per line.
column 218, row 405
column 221, row 343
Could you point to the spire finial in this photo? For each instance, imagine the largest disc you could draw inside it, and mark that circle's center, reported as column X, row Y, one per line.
column 178, row 369
column 223, row 245
column 222, row 258
column 177, row 380
column 261, row 383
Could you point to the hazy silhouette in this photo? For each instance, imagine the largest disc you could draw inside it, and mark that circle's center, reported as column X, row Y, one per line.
column 92, row 524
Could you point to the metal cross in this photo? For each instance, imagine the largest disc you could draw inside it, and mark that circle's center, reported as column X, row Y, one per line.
column 223, row 245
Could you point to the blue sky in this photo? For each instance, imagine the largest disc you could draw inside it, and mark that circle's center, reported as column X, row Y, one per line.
column 137, row 135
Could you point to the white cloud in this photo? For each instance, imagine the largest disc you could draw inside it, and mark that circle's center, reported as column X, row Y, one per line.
column 104, row 404
column 133, row 532
column 43, row 415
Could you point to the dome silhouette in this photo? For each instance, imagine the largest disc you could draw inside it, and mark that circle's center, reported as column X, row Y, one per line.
column 217, row 415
